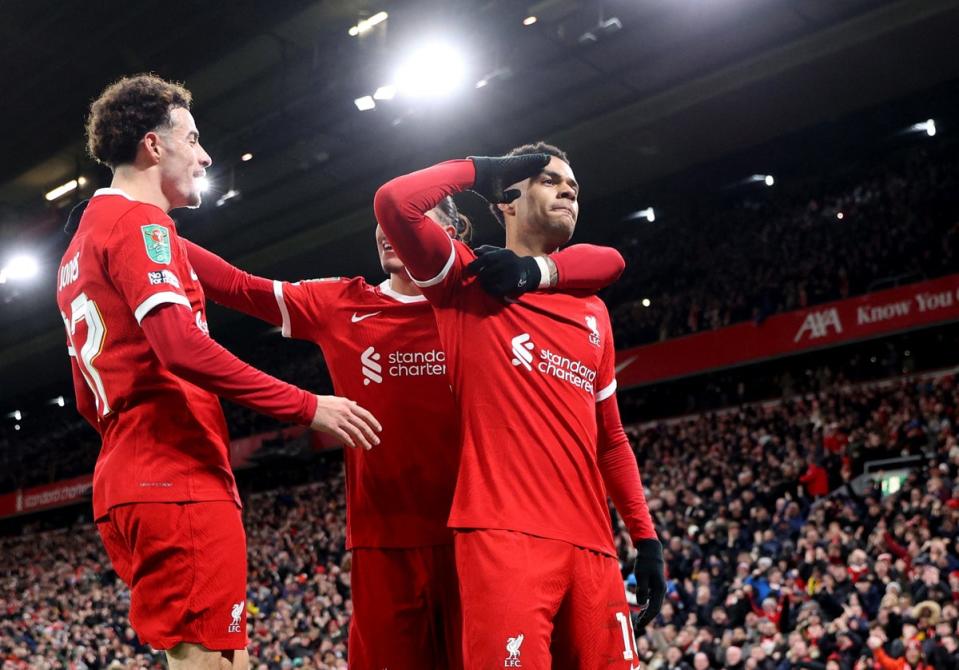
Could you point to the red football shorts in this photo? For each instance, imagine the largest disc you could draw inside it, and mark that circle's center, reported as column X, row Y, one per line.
column 406, row 610
column 185, row 564
column 533, row 603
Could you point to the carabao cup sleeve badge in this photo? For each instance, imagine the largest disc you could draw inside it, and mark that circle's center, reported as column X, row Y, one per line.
column 157, row 240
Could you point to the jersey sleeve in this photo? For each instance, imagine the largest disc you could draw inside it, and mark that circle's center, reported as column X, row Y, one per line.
column 145, row 261
column 305, row 305
column 606, row 377
column 232, row 287
column 587, row 267
column 432, row 259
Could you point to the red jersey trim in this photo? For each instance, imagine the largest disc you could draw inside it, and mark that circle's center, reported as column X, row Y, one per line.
column 161, row 298
column 442, row 273
column 606, row 392
column 387, row 290
column 286, row 329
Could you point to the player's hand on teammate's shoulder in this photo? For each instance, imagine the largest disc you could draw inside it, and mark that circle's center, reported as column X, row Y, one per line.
column 650, row 572
column 494, row 174
column 502, row 273
column 346, row 420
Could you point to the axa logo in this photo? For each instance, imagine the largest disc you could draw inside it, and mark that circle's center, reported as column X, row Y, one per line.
column 236, row 613
column 513, row 645
column 372, row 370
column 817, row 324
column 522, row 351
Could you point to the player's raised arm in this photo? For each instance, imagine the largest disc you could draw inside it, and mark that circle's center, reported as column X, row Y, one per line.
column 232, row 287
column 191, row 354
column 583, row 268
column 401, row 204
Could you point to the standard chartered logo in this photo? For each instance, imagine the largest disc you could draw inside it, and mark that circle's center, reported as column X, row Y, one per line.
column 402, row 364
column 371, row 367
column 522, row 351
column 551, row 363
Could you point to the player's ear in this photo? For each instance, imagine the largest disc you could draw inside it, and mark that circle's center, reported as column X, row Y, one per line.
column 507, row 208
column 151, row 144
column 451, row 231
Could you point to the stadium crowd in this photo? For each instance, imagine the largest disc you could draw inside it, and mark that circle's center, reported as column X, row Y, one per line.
column 712, row 265
column 774, row 562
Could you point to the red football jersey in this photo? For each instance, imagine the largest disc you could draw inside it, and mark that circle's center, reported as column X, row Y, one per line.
column 526, row 375
column 383, row 351
column 164, row 439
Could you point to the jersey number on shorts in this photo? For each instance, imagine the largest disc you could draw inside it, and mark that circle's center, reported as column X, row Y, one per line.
column 84, row 309
column 629, row 639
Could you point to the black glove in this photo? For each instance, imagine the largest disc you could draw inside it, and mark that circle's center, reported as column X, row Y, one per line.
column 502, row 273
column 650, row 571
column 495, row 174
column 73, row 220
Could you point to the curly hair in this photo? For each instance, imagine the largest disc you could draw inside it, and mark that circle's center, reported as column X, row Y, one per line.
column 526, row 150
column 127, row 110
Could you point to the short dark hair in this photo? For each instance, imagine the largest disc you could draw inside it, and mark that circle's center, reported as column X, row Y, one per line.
column 525, row 150
column 127, row 110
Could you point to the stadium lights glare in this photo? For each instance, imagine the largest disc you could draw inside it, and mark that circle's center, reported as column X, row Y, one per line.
column 499, row 74
column 529, row 20
column 59, row 401
column 15, row 414
column 766, row 179
column 387, row 92
column 203, row 183
column 840, row 216
column 649, row 214
column 226, row 197
column 19, row 267
column 928, row 127
column 365, row 104
column 246, row 157
column 366, row 25
column 16, row 426
column 63, row 189
column 646, row 302
column 433, row 70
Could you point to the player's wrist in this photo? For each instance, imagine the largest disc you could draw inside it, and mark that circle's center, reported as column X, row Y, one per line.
column 547, row 272
column 308, row 404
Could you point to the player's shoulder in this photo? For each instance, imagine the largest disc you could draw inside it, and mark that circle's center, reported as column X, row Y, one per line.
column 596, row 307
column 115, row 212
column 330, row 285
column 463, row 250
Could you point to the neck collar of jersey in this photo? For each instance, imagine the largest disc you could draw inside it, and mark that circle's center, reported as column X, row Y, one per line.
column 112, row 191
column 386, row 289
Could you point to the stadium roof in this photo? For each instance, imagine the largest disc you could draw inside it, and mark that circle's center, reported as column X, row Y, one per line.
column 680, row 83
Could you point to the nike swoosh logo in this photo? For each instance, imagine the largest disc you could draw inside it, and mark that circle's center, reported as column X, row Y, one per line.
column 625, row 364
column 357, row 319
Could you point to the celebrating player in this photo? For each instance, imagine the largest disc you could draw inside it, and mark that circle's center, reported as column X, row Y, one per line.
column 381, row 346
column 542, row 439
column 147, row 376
